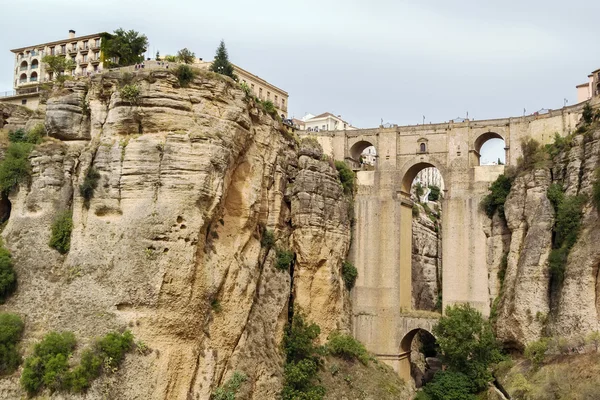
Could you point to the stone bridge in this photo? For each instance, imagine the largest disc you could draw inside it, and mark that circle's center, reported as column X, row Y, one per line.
column 382, row 234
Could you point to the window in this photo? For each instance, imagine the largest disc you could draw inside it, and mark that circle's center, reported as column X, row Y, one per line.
column 85, row 58
column 63, row 48
column 260, row 93
column 282, row 103
column 73, row 58
column 52, row 52
column 252, row 87
column 423, row 148
column 96, row 56
column 323, row 127
column 268, row 95
column 276, row 100
column 24, row 101
column 50, row 75
column 85, row 45
column 95, row 68
column 84, row 70
column 97, row 43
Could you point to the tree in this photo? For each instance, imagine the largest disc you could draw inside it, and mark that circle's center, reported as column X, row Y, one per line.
column 124, row 47
column 434, row 194
column 588, row 114
column 467, row 344
column 447, row 385
column 157, row 55
column 58, row 65
column 221, row 64
column 186, row 56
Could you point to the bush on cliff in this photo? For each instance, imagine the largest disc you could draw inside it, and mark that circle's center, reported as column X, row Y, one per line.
column 89, row 185
column 495, row 200
column 346, row 177
column 284, row 259
column 596, row 189
column 8, row 277
column 467, row 344
column 61, row 232
column 449, row 385
column 230, row 388
column 303, row 361
column 349, row 274
column 11, row 331
column 185, row 74
column 345, row 346
column 15, row 168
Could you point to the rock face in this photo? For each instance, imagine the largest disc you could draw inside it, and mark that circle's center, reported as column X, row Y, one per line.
column 529, row 307
column 426, row 258
column 170, row 246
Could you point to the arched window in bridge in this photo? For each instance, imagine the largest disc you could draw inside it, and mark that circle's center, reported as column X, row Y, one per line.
column 364, row 155
column 423, row 148
column 422, row 143
column 490, row 149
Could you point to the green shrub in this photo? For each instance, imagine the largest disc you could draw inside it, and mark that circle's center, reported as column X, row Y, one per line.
column 35, row 135
column 419, row 190
column 185, row 74
column 494, row 201
column 246, row 89
column 130, row 93
column 448, row 385
column 268, row 239
column 17, row 136
column 170, row 58
column 533, row 155
column 434, row 194
column 90, row 183
column 269, row 107
column 48, row 366
column 596, row 189
column 536, row 351
column 346, row 177
column 345, row 346
column 231, row 387
column 303, row 361
column 587, row 114
column 467, row 344
column 61, row 232
column 556, row 195
column 349, row 274
column 8, row 277
column 15, row 168
column 502, row 269
column 284, row 259
column 11, row 331
column 415, row 210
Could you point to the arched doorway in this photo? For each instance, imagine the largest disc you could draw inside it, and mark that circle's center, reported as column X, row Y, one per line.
column 35, row 64
column 33, row 77
column 490, row 149
column 364, row 155
column 23, row 78
column 419, row 356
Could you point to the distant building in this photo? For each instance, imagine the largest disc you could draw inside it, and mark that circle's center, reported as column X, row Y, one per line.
column 589, row 89
column 30, row 71
column 325, row 122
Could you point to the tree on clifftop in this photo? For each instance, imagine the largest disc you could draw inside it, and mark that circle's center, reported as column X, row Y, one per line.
column 124, row 47
column 221, row 64
column 57, row 64
column 186, row 56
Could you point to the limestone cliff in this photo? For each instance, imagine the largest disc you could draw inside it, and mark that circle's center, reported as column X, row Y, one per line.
column 530, row 305
column 170, row 246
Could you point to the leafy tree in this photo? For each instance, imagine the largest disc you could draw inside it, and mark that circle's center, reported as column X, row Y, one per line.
column 536, row 351
column 221, row 64
column 126, row 47
column 157, row 55
column 467, row 344
column 169, row 58
column 349, row 274
column 8, row 277
column 587, row 114
column 434, row 194
column 11, row 331
column 186, row 56
column 61, row 232
column 346, row 177
column 15, row 167
column 185, row 74
column 449, row 385
column 58, row 65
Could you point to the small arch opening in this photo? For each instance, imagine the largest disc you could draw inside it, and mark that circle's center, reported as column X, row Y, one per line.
column 35, row 64
column 423, row 148
column 24, row 65
column 364, row 154
column 33, row 77
column 422, row 350
column 23, row 78
column 490, row 149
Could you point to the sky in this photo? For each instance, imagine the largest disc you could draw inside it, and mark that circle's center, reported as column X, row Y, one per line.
column 394, row 61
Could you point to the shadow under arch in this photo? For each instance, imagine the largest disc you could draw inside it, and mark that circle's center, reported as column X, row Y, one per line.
column 358, row 147
column 482, row 139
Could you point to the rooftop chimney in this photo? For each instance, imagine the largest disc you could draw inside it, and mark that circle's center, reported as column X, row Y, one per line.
column 71, row 33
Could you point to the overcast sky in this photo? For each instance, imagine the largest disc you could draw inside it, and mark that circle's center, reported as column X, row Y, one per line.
column 395, row 60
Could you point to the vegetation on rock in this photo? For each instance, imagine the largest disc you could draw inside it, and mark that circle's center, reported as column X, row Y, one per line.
column 89, row 185
column 449, row 385
column 185, row 74
column 15, row 167
column 221, row 64
column 34, row 136
column 495, row 200
column 61, row 232
column 11, row 331
column 58, row 64
column 48, row 366
column 268, row 239
column 302, row 361
column 434, row 194
column 123, row 48
column 284, row 259
column 349, row 274
column 467, row 344
column 8, row 276
column 230, row 388
column 130, row 93
column 346, row 347
column 346, row 177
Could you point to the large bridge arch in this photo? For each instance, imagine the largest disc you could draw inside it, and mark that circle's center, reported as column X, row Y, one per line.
column 483, row 138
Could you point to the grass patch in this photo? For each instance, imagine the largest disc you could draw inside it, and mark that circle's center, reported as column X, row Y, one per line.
column 89, row 185
column 11, row 331
column 349, row 274
column 284, row 259
column 61, row 232
column 268, row 239
column 130, row 93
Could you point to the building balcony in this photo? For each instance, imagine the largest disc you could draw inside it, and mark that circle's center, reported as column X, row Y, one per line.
column 83, row 62
column 33, row 79
column 34, row 66
column 23, row 68
column 84, row 50
column 95, row 61
column 73, row 50
column 95, row 47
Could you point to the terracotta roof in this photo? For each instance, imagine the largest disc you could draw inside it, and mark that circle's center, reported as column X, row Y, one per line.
column 297, row 121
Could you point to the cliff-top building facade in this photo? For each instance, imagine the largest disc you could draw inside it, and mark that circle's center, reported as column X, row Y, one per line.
column 30, row 71
column 589, row 89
